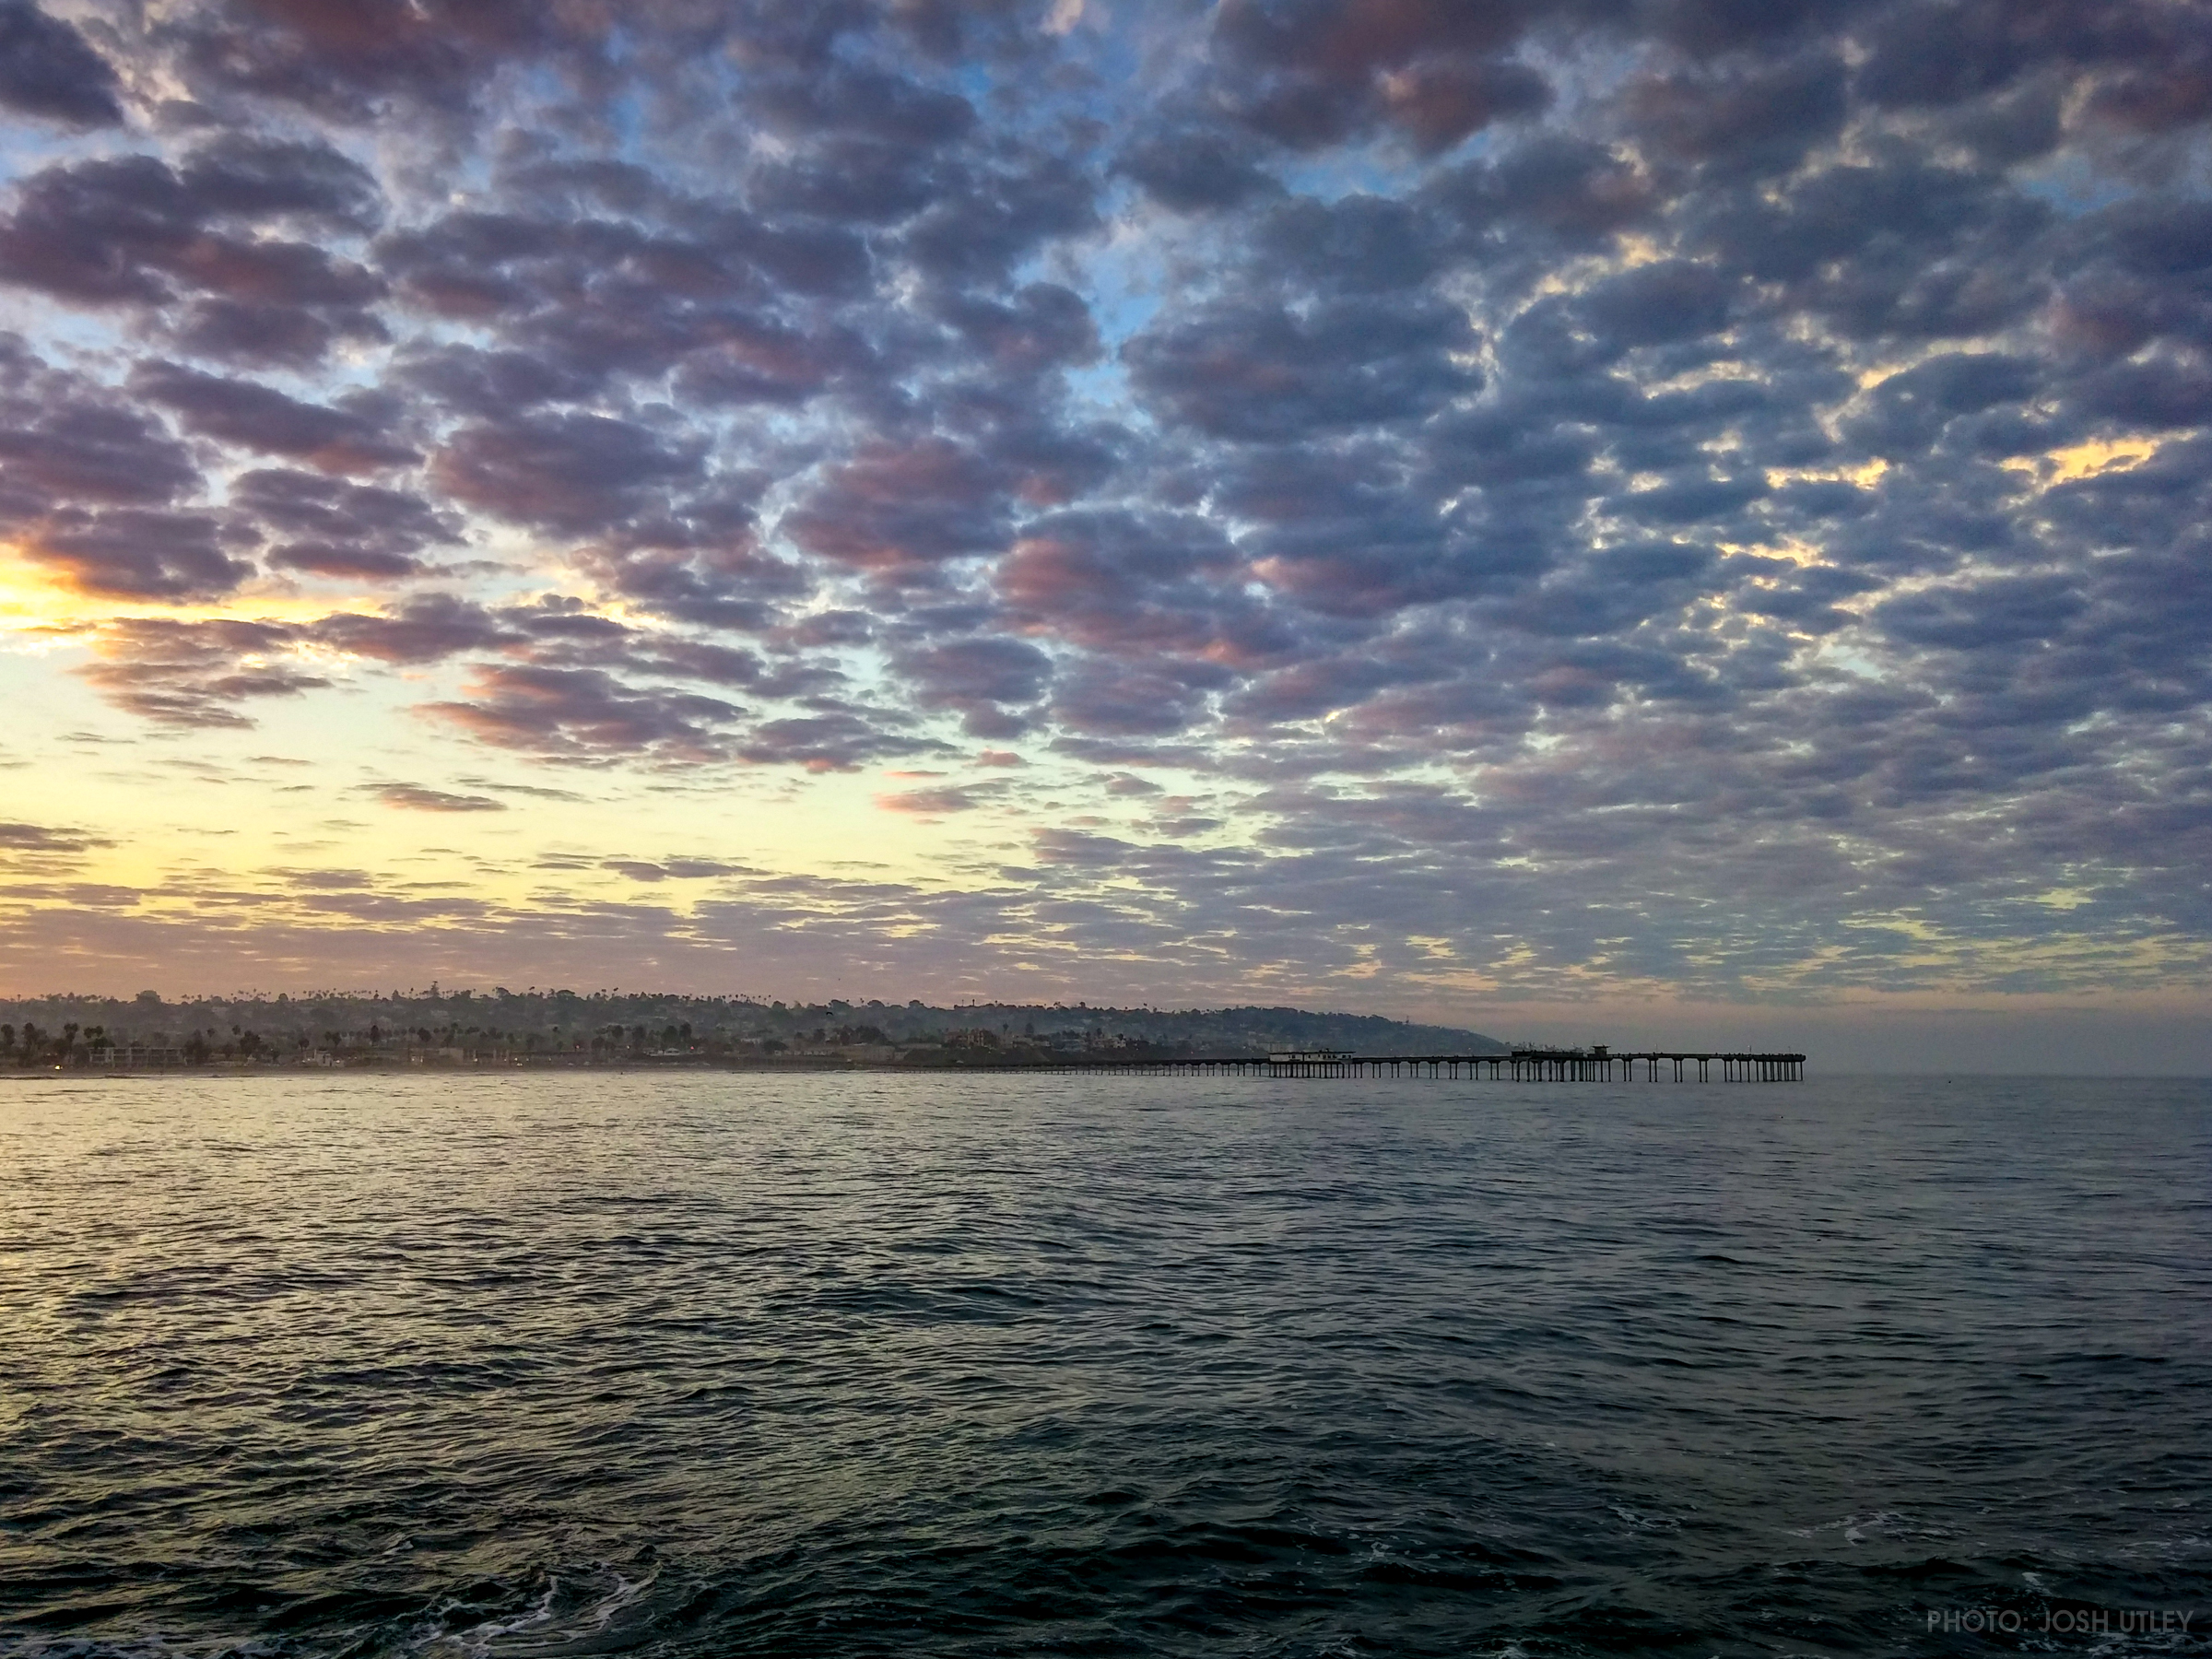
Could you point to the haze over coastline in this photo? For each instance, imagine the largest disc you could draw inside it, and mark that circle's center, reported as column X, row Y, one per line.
column 1654, row 521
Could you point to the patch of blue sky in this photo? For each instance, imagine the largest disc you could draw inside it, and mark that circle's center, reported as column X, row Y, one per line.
column 976, row 82
column 27, row 146
column 94, row 341
column 1101, row 389
column 1379, row 168
column 2071, row 185
column 1121, row 278
column 625, row 123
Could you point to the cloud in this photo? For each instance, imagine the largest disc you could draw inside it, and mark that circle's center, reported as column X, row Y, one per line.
column 1679, row 495
column 69, row 445
column 36, row 838
column 928, row 802
column 585, row 714
column 415, row 798
column 1257, row 371
column 988, row 680
column 1309, row 74
column 319, row 526
column 198, row 245
column 138, row 553
column 352, row 61
column 1197, row 171
column 47, row 70
column 835, row 740
column 1756, row 118
column 898, row 504
column 572, row 473
column 1124, row 584
column 425, row 628
column 260, row 418
column 193, row 674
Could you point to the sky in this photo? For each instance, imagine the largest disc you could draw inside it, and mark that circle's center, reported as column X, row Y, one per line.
column 1648, row 520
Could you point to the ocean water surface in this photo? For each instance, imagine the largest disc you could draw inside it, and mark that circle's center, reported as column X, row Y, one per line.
column 697, row 1363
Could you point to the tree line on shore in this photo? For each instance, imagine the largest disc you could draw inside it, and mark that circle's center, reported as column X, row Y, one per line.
column 606, row 1026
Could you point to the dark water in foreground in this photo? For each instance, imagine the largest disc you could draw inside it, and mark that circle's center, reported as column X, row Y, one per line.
column 904, row 1365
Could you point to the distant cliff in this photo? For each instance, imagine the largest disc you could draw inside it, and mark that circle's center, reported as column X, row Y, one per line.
column 600, row 1025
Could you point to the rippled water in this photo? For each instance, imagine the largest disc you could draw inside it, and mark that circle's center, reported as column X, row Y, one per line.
column 912, row 1365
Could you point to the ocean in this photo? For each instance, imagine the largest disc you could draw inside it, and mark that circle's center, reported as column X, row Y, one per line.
column 912, row 1364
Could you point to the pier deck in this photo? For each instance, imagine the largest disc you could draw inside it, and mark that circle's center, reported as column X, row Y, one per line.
column 1519, row 1065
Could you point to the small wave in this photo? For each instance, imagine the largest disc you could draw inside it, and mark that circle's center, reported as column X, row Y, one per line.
column 570, row 1610
column 1877, row 1525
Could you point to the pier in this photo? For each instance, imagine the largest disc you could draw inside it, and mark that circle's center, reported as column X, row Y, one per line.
column 1599, row 1065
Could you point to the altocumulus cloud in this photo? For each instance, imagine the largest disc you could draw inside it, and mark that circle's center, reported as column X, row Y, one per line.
column 1492, row 498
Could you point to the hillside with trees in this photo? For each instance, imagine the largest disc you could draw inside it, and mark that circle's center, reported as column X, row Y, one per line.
column 603, row 1026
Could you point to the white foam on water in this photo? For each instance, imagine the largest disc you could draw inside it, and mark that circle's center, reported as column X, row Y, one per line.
column 1645, row 1523
column 546, row 1627
column 1877, row 1525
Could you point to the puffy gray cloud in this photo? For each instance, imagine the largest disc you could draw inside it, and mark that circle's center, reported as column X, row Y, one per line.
column 206, row 244
column 573, row 473
column 138, row 553
column 1743, row 117
column 46, row 69
column 988, row 680
column 830, row 739
column 68, row 444
column 196, row 673
column 1193, row 170
column 260, row 418
column 351, row 61
column 1260, row 371
column 895, row 504
column 428, row 628
column 587, row 713
column 1308, row 74
column 322, row 526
